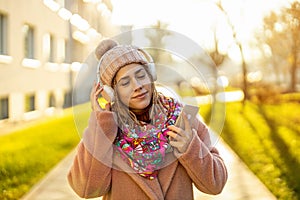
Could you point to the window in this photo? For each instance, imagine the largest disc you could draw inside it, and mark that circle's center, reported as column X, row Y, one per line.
column 51, row 56
column 67, row 99
column 3, row 34
column 28, row 41
column 68, row 45
column 3, row 108
column 51, row 100
column 29, row 103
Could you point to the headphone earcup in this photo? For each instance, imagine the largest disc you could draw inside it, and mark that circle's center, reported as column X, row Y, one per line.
column 152, row 70
column 108, row 93
column 151, row 65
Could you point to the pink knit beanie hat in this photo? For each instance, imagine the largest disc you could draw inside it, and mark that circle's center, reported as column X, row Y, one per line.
column 112, row 57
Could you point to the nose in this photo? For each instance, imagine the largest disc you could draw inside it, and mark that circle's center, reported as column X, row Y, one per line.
column 136, row 84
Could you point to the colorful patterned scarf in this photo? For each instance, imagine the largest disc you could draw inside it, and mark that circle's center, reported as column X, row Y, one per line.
column 145, row 146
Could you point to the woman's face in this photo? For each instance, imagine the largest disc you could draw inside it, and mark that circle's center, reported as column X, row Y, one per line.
column 134, row 86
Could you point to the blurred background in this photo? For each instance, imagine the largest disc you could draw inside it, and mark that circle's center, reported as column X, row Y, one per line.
column 254, row 51
column 255, row 46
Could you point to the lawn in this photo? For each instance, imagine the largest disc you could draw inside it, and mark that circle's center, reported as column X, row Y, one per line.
column 267, row 138
column 28, row 154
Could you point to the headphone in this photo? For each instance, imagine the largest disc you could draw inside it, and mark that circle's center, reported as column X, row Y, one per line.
column 108, row 92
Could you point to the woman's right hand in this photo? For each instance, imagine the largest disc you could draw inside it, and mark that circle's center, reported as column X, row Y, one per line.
column 96, row 90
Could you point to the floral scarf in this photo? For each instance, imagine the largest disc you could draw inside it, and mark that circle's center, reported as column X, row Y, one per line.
column 144, row 146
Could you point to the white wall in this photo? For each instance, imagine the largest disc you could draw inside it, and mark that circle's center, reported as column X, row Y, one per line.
column 16, row 80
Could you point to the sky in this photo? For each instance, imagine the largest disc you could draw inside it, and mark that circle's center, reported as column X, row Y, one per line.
column 196, row 19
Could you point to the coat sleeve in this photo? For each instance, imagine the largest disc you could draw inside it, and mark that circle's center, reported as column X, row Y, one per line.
column 90, row 173
column 203, row 163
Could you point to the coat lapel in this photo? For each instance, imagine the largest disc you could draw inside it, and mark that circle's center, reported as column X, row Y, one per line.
column 166, row 173
column 151, row 187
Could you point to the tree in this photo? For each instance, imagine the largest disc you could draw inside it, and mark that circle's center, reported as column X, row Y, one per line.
column 215, row 54
column 238, row 42
column 156, row 40
column 292, row 19
column 282, row 35
column 274, row 46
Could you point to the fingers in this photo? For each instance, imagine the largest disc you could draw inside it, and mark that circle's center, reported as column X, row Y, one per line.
column 179, row 130
column 177, row 134
column 172, row 135
column 176, row 129
column 180, row 138
column 95, row 92
column 97, row 89
column 108, row 107
column 179, row 145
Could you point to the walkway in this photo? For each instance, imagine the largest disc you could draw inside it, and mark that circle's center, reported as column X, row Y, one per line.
column 242, row 183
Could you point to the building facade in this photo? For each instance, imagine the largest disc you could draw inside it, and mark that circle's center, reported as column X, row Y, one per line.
column 42, row 46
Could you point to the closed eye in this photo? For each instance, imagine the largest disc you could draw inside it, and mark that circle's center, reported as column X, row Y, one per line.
column 141, row 74
column 124, row 81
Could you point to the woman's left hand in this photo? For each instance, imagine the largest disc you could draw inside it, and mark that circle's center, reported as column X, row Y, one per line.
column 181, row 138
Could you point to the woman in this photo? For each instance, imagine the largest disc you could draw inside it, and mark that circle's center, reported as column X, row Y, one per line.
column 132, row 149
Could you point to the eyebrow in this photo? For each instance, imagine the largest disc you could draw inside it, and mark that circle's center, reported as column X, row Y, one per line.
column 127, row 77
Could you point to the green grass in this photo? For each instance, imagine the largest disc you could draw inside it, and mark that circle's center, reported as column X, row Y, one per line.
column 27, row 155
column 267, row 139
column 265, row 136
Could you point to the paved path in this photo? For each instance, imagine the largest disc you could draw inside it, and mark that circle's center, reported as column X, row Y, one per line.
column 242, row 183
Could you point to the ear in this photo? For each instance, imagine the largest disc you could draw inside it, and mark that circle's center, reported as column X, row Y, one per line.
column 108, row 93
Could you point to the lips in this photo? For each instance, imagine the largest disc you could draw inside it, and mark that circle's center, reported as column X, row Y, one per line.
column 139, row 96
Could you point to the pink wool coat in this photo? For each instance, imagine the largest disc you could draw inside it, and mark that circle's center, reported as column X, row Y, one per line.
column 96, row 171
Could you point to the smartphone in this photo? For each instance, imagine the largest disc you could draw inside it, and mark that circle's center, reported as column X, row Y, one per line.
column 191, row 112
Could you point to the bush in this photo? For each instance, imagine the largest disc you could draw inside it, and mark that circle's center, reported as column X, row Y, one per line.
column 264, row 93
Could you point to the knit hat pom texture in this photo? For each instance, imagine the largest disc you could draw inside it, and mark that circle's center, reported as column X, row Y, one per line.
column 104, row 46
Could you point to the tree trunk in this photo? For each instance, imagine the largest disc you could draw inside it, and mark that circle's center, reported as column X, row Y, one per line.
column 244, row 69
column 293, row 77
column 294, row 69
